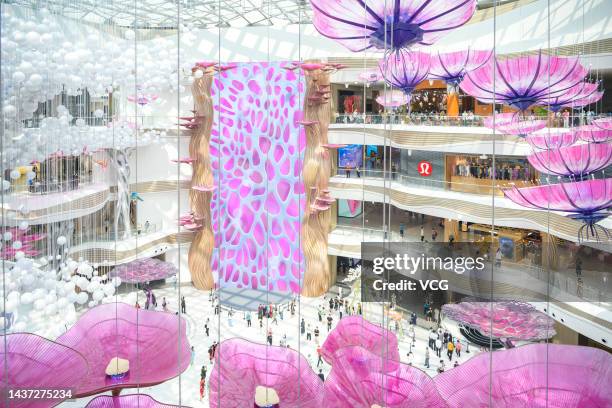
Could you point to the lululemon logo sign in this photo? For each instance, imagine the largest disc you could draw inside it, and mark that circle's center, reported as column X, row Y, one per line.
column 424, row 168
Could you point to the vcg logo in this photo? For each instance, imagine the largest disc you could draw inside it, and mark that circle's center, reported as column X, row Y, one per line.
column 424, row 168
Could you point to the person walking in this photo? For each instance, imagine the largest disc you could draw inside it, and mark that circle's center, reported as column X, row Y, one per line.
column 498, row 257
column 302, row 327
column 316, row 335
column 183, row 305
column 401, row 230
column 202, row 387
column 320, row 359
column 308, row 332
column 270, row 336
column 427, row 357
column 164, row 304
column 450, row 349
column 248, row 318
column 458, row 348
column 330, row 319
column 321, row 376
column 438, row 347
column 422, row 234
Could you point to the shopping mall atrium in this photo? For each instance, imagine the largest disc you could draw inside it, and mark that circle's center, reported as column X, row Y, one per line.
column 306, row 203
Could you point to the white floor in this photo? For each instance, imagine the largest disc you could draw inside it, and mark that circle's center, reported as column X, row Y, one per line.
column 199, row 308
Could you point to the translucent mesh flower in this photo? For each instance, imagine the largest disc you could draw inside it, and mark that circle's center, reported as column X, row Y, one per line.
column 451, row 67
column 392, row 99
column 582, row 94
column 521, row 128
column 356, row 331
column 362, row 378
column 593, row 134
column 546, row 140
column 128, row 401
column 508, row 320
column 370, row 76
column 32, row 362
column 588, row 201
column 603, row 123
column 577, row 160
column 153, row 343
column 524, row 81
column 530, row 376
column 500, row 119
column 144, row 270
column 241, row 367
column 405, row 69
column 389, row 25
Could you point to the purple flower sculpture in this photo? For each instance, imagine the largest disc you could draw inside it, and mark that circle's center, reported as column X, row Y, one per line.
column 588, row 200
column 575, row 161
column 582, row 94
column 363, row 378
column 405, row 69
column 603, row 123
column 545, row 141
column 451, row 67
column 525, row 81
column 391, row 25
column 144, row 270
column 128, row 401
column 593, row 134
column 243, row 366
column 153, row 343
column 500, row 119
column 356, row 331
column 392, row 99
column 508, row 320
column 31, row 362
column 530, row 376
column 521, row 128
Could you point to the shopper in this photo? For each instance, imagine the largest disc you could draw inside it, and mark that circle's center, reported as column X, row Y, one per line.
column 458, row 348
column 202, row 387
column 422, row 234
column 320, row 359
column 450, row 347
column 438, row 347
column 427, row 357
column 248, row 319
column 183, row 305
column 321, row 376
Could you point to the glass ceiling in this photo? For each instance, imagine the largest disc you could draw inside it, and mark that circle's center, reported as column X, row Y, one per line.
column 201, row 13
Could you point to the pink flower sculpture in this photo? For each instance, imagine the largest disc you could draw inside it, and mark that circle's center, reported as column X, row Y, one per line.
column 451, row 67
column 530, row 376
column 405, row 69
column 577, row 160
column 521, row 128
column 154, row 343
column 33, row 362
column 392, row 99
column 603, row 123
column 546, row 141
column 500, row 119
column 360, row 25
column 579, row 95
column 128, row 401
column 356, row 331
column 144, row 270
column 363, row 378
column 525, row 81
column 242, row 366
column 509, row 320
column 142, row 99
column 370, row 76
column 593, row 134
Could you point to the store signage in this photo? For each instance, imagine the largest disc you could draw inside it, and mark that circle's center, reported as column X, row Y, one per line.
column 424, row 168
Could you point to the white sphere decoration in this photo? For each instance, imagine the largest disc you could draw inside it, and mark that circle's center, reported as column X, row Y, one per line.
column 72, row 297
column 9, row 111
column 198, row 74
column 91, row 304
column 18, row 76
column 82, row 282
column 30, row 175
column 82, row 298
column 116, row 281
column 98, row 295
column 28, row 280
column 13, row 297
column 61, row 240
column 51, row 309
column 62, row 302
column 23, row 225
column 129, row 34
column 19, row 255
column 39, row 304
column 6, row 185
column 93, row 286
column 7, row 236
column 20, row 327
column 85, row 269
column 109, row 290
column 17, row 245
column 15, row 174
column 98, row 113
column 43, row 261
column 27, row 298
column 11, row 306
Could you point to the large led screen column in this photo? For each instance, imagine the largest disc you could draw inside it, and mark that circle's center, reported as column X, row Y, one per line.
column 258, row 145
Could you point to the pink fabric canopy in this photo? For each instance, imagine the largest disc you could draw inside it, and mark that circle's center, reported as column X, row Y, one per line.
column 524, row 81
column 451, row 67
column 405, row 69
column 144, row 270
column 603, row 123
column 521, row 128
column 33, row 362
column 500, row 119
column 546, row 141
column 573, row 160
column 581, row 94
column 531, row 376
column 587, row 196
column 509, row 320
column 361, row 378
column 356, row 331
column 593, row 134
column 392, row 99
column 128, row 401
column 370, row 76
column 154, row 343
column 360, row 25
column 241, row 366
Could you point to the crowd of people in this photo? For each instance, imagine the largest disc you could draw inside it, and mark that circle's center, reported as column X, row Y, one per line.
column 476, row 168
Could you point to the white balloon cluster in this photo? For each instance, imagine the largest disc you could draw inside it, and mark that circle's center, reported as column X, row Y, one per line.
column 56, row 135
column 44, row 300
column 353, row 274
